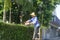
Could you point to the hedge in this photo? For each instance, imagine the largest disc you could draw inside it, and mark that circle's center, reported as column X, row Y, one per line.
column 15, row 32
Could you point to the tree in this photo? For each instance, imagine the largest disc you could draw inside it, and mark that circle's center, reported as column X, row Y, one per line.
column 7, row 5
column 10, row 6
column 45, row 9
column 5, row 8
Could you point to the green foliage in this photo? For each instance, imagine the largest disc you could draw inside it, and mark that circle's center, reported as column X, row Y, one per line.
column 15, row 32
column 7, row 4
column 27, row 5
column 46, row 8
column 1, row 8
column 1, row 1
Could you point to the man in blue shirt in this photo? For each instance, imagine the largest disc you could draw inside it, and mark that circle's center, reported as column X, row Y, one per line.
column 35, row 22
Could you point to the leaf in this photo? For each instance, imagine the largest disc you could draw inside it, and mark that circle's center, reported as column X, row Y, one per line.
column 1, row 11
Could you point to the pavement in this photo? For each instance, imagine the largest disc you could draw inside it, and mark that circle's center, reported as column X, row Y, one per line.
column 56, row 38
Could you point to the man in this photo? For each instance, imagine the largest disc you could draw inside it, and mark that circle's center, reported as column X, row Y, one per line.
column 35, row 22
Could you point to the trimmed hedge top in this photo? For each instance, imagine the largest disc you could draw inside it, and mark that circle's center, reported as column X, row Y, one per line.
column 15, row 32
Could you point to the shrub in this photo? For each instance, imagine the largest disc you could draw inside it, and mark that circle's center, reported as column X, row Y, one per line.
column 15, row 32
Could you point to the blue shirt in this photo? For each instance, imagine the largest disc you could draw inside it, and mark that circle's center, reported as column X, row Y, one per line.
column 35, row 21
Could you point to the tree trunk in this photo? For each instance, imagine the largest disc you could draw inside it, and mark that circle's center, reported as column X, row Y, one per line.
column 4, row 15
column 10, row 16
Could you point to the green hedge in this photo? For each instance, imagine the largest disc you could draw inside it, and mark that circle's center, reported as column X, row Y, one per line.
column 15, row 32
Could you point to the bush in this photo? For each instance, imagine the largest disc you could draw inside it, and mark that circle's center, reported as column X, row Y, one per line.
column 15, row 32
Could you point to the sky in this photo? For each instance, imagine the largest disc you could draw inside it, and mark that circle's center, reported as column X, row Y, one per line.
column 57, row 11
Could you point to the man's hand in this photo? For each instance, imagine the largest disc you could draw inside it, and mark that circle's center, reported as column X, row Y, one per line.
column 27, row 23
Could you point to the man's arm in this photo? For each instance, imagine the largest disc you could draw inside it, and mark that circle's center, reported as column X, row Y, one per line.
column 34, row 21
